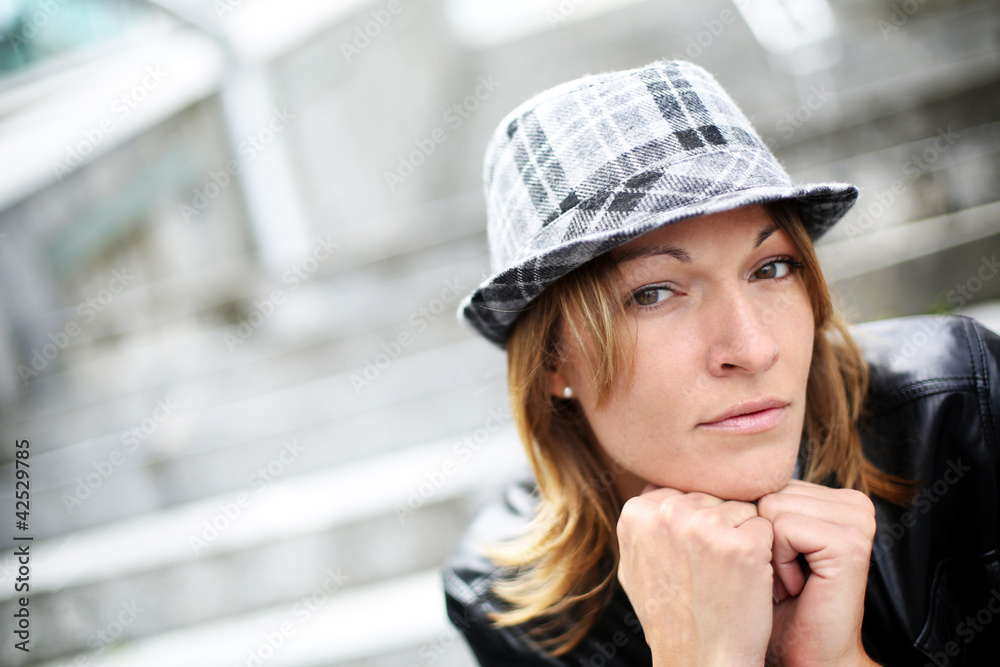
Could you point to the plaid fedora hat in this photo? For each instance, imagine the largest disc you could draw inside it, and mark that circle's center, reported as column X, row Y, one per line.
column 593, row 163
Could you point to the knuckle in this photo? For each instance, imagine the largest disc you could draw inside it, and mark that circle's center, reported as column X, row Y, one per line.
column 779, row 522
column 869, row 527
column 764, row 528
column 630, row 519
column 748, row 551
column 766, row 505
column 671, row 510
column 633, row 510
column 858, row 498
column 857, row 541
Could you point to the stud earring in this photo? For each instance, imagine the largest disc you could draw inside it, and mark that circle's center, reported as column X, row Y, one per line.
column 567, row 392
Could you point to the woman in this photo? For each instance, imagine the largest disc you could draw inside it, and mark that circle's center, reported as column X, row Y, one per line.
column 722, row 475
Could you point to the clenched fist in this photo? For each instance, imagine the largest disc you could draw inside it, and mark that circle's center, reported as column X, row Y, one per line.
column 698, row 572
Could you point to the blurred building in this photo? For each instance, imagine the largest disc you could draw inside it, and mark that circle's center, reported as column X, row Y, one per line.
column 233, row 234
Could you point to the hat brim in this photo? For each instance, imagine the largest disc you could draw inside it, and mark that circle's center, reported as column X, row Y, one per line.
column 495, row 305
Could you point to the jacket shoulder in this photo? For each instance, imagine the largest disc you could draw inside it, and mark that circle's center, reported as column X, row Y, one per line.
column 911, row 358
column 469, row 576
column 931, row 416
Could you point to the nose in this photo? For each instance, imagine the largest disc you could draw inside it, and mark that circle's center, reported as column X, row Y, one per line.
column 739, row 335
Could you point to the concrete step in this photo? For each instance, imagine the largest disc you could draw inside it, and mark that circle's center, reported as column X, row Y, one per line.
column 393, row 623
column 936, row 56
column 804, row 143
column 320, row 312
column 942, row 173
column 939, row 264
column 894, row 245
column 384, row 516
column 197, row 452
column 378, row 245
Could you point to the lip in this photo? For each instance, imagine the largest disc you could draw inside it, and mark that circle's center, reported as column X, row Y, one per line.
column 751, row 416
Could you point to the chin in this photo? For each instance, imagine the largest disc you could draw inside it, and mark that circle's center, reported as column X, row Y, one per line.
column 748, row 487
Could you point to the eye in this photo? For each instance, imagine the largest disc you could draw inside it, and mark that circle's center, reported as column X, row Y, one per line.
column 776, row 269
column 650, row 296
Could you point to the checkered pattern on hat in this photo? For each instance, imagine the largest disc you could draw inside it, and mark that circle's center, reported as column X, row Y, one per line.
column 593, row 163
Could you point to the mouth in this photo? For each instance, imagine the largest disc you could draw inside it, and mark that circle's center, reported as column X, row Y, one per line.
column 751, row 416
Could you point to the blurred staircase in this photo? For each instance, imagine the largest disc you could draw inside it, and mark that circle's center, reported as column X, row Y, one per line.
column 287, row 499
column 236, row 499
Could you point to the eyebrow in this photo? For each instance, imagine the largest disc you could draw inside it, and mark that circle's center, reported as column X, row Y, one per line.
column 763, row 234
column 622, row 255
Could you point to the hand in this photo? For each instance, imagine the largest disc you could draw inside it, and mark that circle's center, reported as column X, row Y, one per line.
column 698, row 572
column 818, row 620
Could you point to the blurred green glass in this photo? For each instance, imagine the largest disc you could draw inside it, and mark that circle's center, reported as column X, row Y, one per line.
column 33, row 31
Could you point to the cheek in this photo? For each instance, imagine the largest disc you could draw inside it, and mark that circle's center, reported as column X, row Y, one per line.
column 642, row 419
column 794, row 332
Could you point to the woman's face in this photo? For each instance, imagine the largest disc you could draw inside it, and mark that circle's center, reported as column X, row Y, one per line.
column 724, row 337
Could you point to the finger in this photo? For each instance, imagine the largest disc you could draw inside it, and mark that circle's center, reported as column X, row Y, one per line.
column 760, row 529
column 838, row 513
column 789, row 580
column 745, row 515
column 691, row 500
column 845, row 496
column 780, row 592
column 830, row 550
column 677, row 504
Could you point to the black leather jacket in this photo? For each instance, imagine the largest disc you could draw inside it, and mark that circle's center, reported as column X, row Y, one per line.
column 933, row 596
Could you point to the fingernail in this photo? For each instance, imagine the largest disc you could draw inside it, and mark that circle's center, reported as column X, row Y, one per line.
column 774, row 593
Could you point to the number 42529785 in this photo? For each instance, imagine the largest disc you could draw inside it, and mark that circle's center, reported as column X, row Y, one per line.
column 22, row 476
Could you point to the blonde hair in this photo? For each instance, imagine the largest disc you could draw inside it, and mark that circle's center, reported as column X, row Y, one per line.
column 565, row 564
